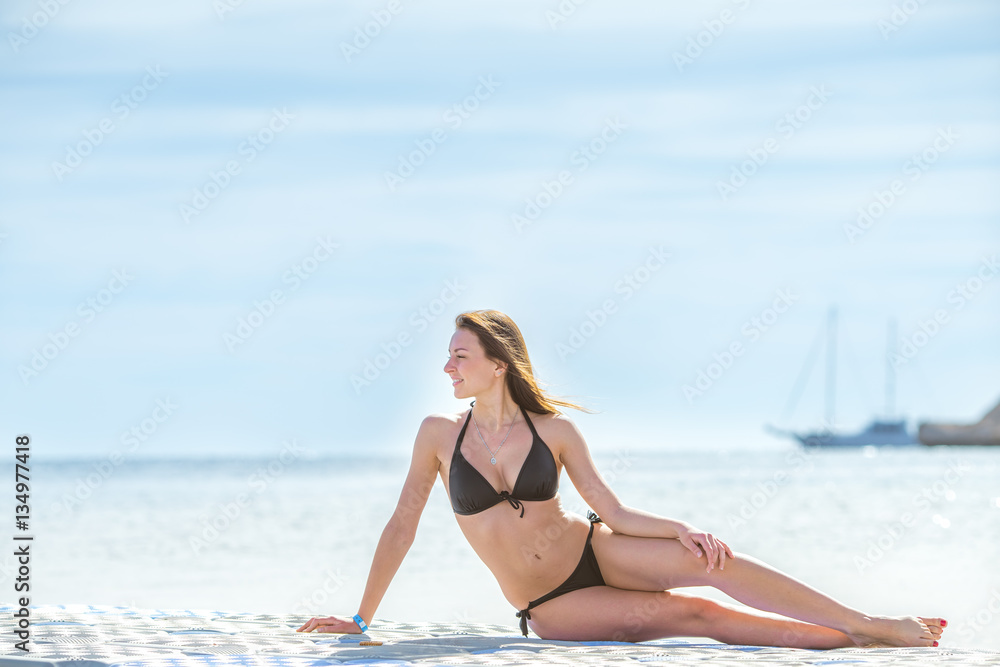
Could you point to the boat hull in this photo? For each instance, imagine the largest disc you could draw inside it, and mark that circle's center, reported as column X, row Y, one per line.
column 878, row 433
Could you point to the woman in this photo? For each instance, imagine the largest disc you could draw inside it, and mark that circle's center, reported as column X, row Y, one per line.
column 610, row 577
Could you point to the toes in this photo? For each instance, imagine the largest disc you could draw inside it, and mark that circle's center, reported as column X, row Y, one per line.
column 931, row 631
column 934, row 624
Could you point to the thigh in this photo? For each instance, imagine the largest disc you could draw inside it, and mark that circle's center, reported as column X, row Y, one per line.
column 648, row 563
column 604, row 613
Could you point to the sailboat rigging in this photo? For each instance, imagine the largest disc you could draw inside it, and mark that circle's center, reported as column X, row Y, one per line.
column 887, row 430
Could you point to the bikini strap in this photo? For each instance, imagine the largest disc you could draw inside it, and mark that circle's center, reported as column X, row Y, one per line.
column 524, row 615
column 458, row 443
column 530, row 425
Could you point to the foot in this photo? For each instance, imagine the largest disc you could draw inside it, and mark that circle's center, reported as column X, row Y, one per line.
column 935, row 625
column 882, row 631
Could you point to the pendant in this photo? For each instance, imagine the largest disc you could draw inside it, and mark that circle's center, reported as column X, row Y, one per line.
column 493, row 461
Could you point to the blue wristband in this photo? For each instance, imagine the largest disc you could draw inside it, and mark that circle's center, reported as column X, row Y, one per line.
column 361, row 623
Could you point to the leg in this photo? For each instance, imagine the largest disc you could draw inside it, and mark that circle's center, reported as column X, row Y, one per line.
column 624, row 615
column 649, row 564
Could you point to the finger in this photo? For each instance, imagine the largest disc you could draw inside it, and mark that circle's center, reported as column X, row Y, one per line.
column 720, row 554
column 690, row 545
column 711, row 549
column 305, row 626
column 329, row 625
column 319, row 624
column 699, row 548
column 720, row 548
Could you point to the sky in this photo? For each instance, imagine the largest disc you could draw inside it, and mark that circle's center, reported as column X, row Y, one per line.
column 229, row 224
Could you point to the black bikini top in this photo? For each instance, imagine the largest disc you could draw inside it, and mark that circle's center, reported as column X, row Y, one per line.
column 472, row 493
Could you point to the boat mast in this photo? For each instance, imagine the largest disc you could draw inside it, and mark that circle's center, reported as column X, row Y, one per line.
column 890, row 375
column 831, row 365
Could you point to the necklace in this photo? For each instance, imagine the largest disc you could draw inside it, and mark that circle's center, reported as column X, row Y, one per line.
column 493, row 455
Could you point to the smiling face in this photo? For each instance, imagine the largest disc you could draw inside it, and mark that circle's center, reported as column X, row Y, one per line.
column 470, row 371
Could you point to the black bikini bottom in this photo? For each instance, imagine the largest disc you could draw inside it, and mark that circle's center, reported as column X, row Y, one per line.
column 586, row 574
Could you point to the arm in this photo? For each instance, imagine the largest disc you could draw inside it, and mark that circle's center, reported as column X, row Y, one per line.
column 397, row 536
column 400, row 531
column 575, row 457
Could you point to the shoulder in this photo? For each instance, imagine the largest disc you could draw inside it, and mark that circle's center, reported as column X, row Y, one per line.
column 439, row 426
column 556, row 422
column 558, row 431
column 439, row 421
column 436, row 435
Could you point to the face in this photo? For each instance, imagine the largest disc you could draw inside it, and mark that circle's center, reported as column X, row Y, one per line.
column 470, row 371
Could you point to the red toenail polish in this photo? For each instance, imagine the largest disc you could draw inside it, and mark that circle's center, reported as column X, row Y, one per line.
column 934, row 644
column 944, row 623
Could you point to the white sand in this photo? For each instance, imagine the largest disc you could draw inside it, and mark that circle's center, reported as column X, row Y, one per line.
column 179, row 638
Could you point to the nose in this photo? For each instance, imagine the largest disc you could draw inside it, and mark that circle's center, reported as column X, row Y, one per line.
column 448, row 366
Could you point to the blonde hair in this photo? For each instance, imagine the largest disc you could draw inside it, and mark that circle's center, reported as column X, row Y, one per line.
column 502, row 341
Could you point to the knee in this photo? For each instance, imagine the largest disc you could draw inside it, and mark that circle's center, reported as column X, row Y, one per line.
column 691, row 571
column 643, row 616
column 699, row 616
column 698, row 609
column 668, row 614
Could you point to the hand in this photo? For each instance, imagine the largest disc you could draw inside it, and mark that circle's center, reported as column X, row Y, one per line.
column 698, row 541
column 331, row 624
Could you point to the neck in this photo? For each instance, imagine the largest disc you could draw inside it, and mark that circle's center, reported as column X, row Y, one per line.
column 494, row 413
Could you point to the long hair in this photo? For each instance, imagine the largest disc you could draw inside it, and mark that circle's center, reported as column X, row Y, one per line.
column 502, row 341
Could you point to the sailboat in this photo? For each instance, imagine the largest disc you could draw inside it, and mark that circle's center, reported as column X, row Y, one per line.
column 884, row 431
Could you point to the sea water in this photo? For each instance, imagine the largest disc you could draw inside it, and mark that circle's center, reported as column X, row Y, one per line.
column 888, row 531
